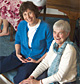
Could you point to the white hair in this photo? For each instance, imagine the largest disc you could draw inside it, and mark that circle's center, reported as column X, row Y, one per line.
column 62, row 25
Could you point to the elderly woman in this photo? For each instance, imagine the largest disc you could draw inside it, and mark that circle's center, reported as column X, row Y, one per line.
column 60, row 60
column 32, row 43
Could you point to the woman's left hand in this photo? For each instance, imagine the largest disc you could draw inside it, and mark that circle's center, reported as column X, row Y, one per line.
column 30, row 81
column 29, row 59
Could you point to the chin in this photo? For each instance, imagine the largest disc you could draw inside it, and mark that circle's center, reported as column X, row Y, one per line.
column 57, row 41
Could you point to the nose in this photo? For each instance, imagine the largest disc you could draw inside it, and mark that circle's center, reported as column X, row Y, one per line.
column 57, row 34
column 28, row 16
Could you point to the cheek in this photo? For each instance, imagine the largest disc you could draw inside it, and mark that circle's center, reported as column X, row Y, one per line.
column 54, row 35
column 63, row 37
column 24, row 17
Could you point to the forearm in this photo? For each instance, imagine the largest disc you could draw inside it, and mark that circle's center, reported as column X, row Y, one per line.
column 17, row 48
column 42, row 58
column 43, row 66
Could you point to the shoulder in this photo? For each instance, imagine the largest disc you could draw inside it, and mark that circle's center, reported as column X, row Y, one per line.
column 45, row 25
column 22, row 22
column 51, row 47
column 22, row 25
column 69, row 51
column 69, row 47
column 52, row 42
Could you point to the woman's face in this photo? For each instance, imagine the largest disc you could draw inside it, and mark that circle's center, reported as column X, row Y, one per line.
column 30, row 17
column 60, row 36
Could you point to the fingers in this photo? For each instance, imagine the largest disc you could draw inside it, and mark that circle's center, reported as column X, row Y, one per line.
column 21, row 59
column 31, row 60
column 29, row 57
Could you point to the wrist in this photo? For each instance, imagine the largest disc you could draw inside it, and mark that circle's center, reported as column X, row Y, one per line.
column 17, row 54
column 38, row 61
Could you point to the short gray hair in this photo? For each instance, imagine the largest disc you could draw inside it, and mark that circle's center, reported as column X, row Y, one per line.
column 62, row 25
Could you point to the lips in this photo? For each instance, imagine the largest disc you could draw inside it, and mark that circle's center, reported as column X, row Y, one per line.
column 58, row 38
column 29, row 20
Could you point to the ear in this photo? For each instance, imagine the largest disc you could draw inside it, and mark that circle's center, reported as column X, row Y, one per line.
column 68, row 34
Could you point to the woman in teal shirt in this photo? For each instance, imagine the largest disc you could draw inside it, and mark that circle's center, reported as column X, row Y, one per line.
column 32, row 42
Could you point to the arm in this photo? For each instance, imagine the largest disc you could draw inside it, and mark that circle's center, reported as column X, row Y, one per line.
column 43, row 66
column 18, row 44
column 49, row 39
column 42, row 58
column 18, row 49
column 19, row 56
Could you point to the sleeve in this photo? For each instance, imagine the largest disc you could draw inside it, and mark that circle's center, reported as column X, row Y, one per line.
column 49, row 37
column 41, row 68
column 17, row 36
column 66, row 62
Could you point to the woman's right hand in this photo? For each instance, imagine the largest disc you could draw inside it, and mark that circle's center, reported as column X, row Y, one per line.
column 21, row 58
column 30, row 81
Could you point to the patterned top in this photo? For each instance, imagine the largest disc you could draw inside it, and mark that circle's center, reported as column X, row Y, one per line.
column 9, row 10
